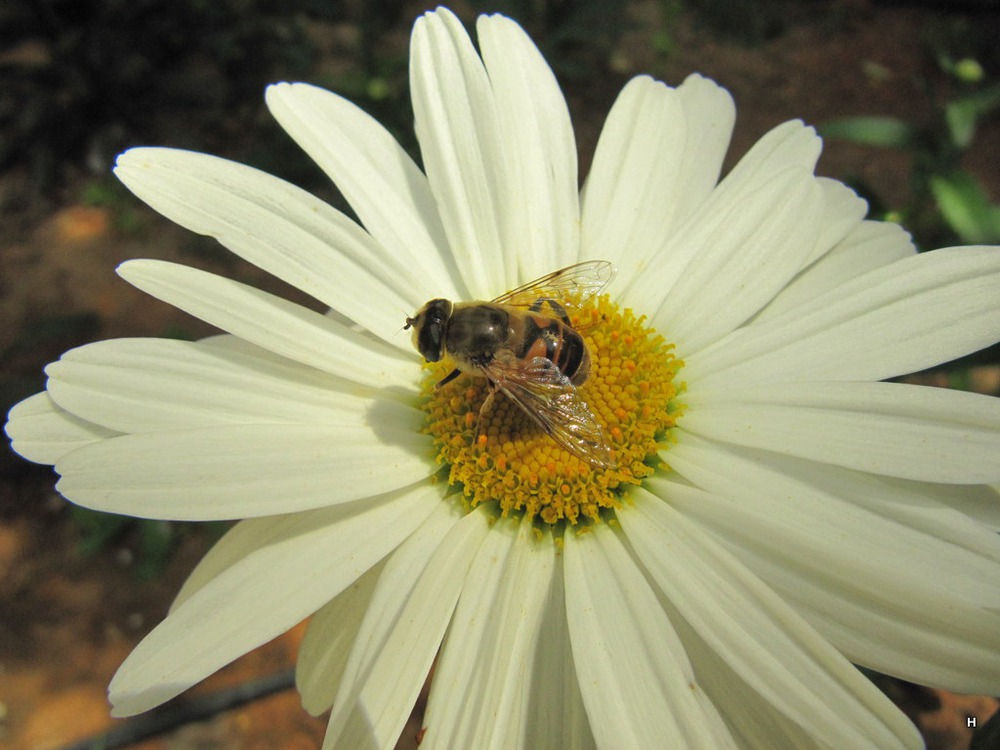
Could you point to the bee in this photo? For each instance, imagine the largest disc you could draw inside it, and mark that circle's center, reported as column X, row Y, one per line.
column 525, row 346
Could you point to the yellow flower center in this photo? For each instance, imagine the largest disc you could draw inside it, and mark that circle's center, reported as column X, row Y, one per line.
column 502, row 456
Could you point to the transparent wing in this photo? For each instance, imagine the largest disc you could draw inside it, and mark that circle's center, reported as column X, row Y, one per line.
column 584, row 279
column 552, row 401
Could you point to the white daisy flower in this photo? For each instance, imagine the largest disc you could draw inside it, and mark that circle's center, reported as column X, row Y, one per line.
column 773, row 512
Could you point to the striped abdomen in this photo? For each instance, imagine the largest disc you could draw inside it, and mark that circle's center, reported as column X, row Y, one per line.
column 557, row 342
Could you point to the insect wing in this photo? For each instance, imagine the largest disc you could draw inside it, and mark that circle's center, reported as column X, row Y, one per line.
column 552, row 401
column 584, row 279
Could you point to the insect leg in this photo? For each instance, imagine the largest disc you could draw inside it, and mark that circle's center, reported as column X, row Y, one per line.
column 448, row 378
column 487, row 404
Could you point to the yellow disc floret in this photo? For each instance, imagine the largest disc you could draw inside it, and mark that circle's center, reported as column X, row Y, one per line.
column 502, row 456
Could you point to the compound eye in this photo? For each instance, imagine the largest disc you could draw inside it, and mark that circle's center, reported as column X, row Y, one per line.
column 429, row 329
column 429, row 340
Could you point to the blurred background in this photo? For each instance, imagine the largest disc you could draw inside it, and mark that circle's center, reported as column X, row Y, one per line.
column 906, row 95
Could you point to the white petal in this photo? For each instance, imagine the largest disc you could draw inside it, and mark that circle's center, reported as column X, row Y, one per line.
column 457, row 124
column 273, row 323
column 375, row 716
column 394, row 588
column 758, row 637
column 870, row 245
column 636, row 681
column 240, row 471
column 935, row 509
column 890, row 593
column 298, row 563
column 899, row 318
column 557, row 716
column 152, row 385
column 843, row 211
column 909, row 431
column 479, row 696
column 923, row 649
column 228, row 553
column 790, row 149
column 542, row 219
column 743, row 253
column 42, row 432
column 982, row 504
column 635, row 180
column 384, row 186
column 282, row 229
column 710, row 114
column 791, row 144
column 657, row 160
column 322, row 657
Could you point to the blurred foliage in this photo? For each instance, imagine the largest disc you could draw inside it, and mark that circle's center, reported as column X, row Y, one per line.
column 377, row 80
column 42, row 338
column 577, row 37
column 947, row 204
column 145, row 545
column 85, row 77
column 127, row 214
column 751, row 22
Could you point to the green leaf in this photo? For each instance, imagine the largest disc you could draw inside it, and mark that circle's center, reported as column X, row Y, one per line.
column 888, row 132
column 157, row 540
column 968, row 70
column 961, row 119
column 966, row 208
column 96, row 529
column 961, row 114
